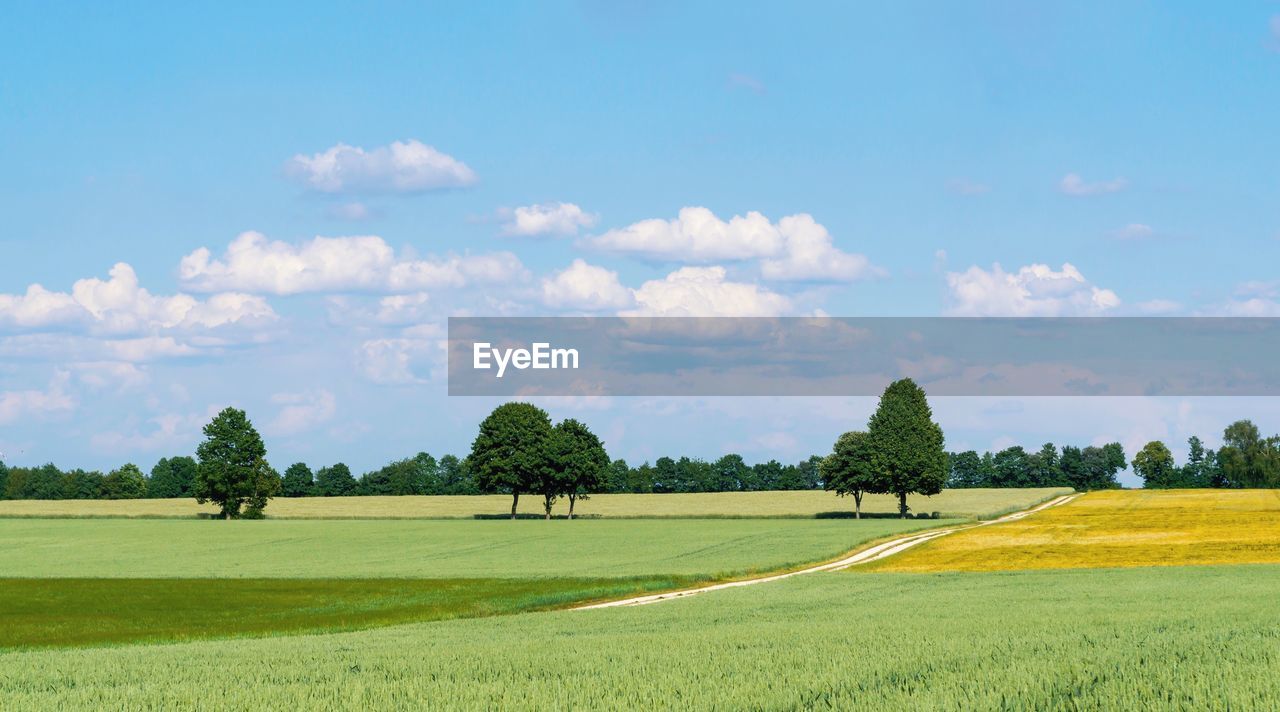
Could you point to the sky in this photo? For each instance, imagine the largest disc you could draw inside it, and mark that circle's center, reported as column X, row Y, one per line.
column 276, row 208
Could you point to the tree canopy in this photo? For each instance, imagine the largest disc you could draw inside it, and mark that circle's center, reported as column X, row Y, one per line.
column 906, row 445
column 849, row 470
column 512, row 452
column 232, row 461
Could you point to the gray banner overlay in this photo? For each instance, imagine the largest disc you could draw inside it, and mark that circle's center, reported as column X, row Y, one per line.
column 859, row 356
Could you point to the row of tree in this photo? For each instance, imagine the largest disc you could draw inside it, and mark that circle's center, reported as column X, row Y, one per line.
column 1246, row 459
column 1088, row 468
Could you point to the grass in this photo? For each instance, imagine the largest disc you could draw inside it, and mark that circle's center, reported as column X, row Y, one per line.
column 150, row 548
column 1152, row 639
column 961, row 504
column 1116, row 528
column 78, row 612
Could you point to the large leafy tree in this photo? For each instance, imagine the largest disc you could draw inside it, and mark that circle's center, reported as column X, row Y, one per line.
column 512, row 452
column 1154, row 464
column 264, row 485
column 172, row 477
column 579, row 462
column 231, row 462
column 1247, row 459
column 906, row 446
column 849, row 469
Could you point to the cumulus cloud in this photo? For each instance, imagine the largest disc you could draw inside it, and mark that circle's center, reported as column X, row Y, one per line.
column 22, row 404
column 797, row 248
column 1073, row 184
column 585, row 287
column 417, row 355
column 252, row 263
column 349, row 211
column 705, row 291
column 810, row 256
column 119, row 305
column 167, row 431
column 300, row 412
column 547, row 219
column 118, row 375
column 402, row 167
column 1034, row 290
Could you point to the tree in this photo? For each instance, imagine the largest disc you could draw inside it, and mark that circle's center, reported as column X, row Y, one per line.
column 849, row 470
column 230, row 462
column 1100, row 465
column 79, row 484
column 579, row 462
column 456, row 476
column 1196, row 472
column 264, row 485
column 127, row 482
column 1154, row 464
column 1247, row 459
column 512, row 452
column 1011, row 468
column 298, row 481
column 171, row 478
column 4, row 478
column 906, row 445
column 966, row 469
column 730, row 473
column 335, row 481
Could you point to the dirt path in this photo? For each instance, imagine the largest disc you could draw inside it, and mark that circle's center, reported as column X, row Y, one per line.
column 874, row 553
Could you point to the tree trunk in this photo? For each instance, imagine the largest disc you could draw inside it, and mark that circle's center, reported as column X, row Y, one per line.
column 515, row 499
column 902, row 505
column 857, row 505
column 547, row 501
column 572, row 498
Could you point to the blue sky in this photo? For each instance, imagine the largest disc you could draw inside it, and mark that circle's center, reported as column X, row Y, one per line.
column 926, row 143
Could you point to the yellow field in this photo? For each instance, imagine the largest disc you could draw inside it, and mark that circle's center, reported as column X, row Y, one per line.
column 1116, row 528
column 964, row 503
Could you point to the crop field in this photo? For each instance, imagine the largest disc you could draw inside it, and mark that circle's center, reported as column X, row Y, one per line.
column 960, row 503
column 94, row 581
column 145, row 548
column 1116, row 528
column 1158, row 638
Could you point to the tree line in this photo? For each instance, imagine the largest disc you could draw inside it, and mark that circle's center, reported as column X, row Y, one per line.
column 1083, row 469
column 1246, row 459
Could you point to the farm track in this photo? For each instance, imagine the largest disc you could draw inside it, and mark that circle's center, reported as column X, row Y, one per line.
column 863, row 556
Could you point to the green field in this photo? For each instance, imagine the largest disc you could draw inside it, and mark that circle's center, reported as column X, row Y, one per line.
column 150, row 548
column 960, row 503
column 1189, row 638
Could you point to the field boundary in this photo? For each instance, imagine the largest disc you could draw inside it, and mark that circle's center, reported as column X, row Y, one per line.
column 865, row 555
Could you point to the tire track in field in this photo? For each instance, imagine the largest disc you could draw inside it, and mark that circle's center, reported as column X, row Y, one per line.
column 863, row 556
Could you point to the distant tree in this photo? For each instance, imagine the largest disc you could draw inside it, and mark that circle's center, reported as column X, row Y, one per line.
column 1154, row 464
column 335, row 481
column 127, row 482
column 230, row 462
column 807, row 474
column 4, row 478
column 1196, row 472
column 665, row 475
column 80, row 484
column 906, row 445
column 298, row 481
column 730, row 474
column 1043, row 468
column 1101, row 465
column 512, row 452
column 618, row 477
column 850, row 470
column 579, row 462
column 1247, row 459
column 456, row 476
column 767, row 476
column 966, row 470
column 172, row 478
column 1012, row 468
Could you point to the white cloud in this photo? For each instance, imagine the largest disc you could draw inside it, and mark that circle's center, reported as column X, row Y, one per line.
column 147, row 348
column 1073, row 184
column 118, row 375
column 119, row 305
column 797, row 248
column 301, row 412
column 335, row 264
column 810, row 256
column 24, row 404
column 585, row 287
column 548, row 219
column 402, row 167
column 1034, row 290
column 417, row 355
column 1134, row 231
column 168, row 431
column 704, row 291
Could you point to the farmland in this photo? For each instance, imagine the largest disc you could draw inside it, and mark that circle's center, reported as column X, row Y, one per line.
column 1116, row 528
column 955, row 503
column 1062, row 639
